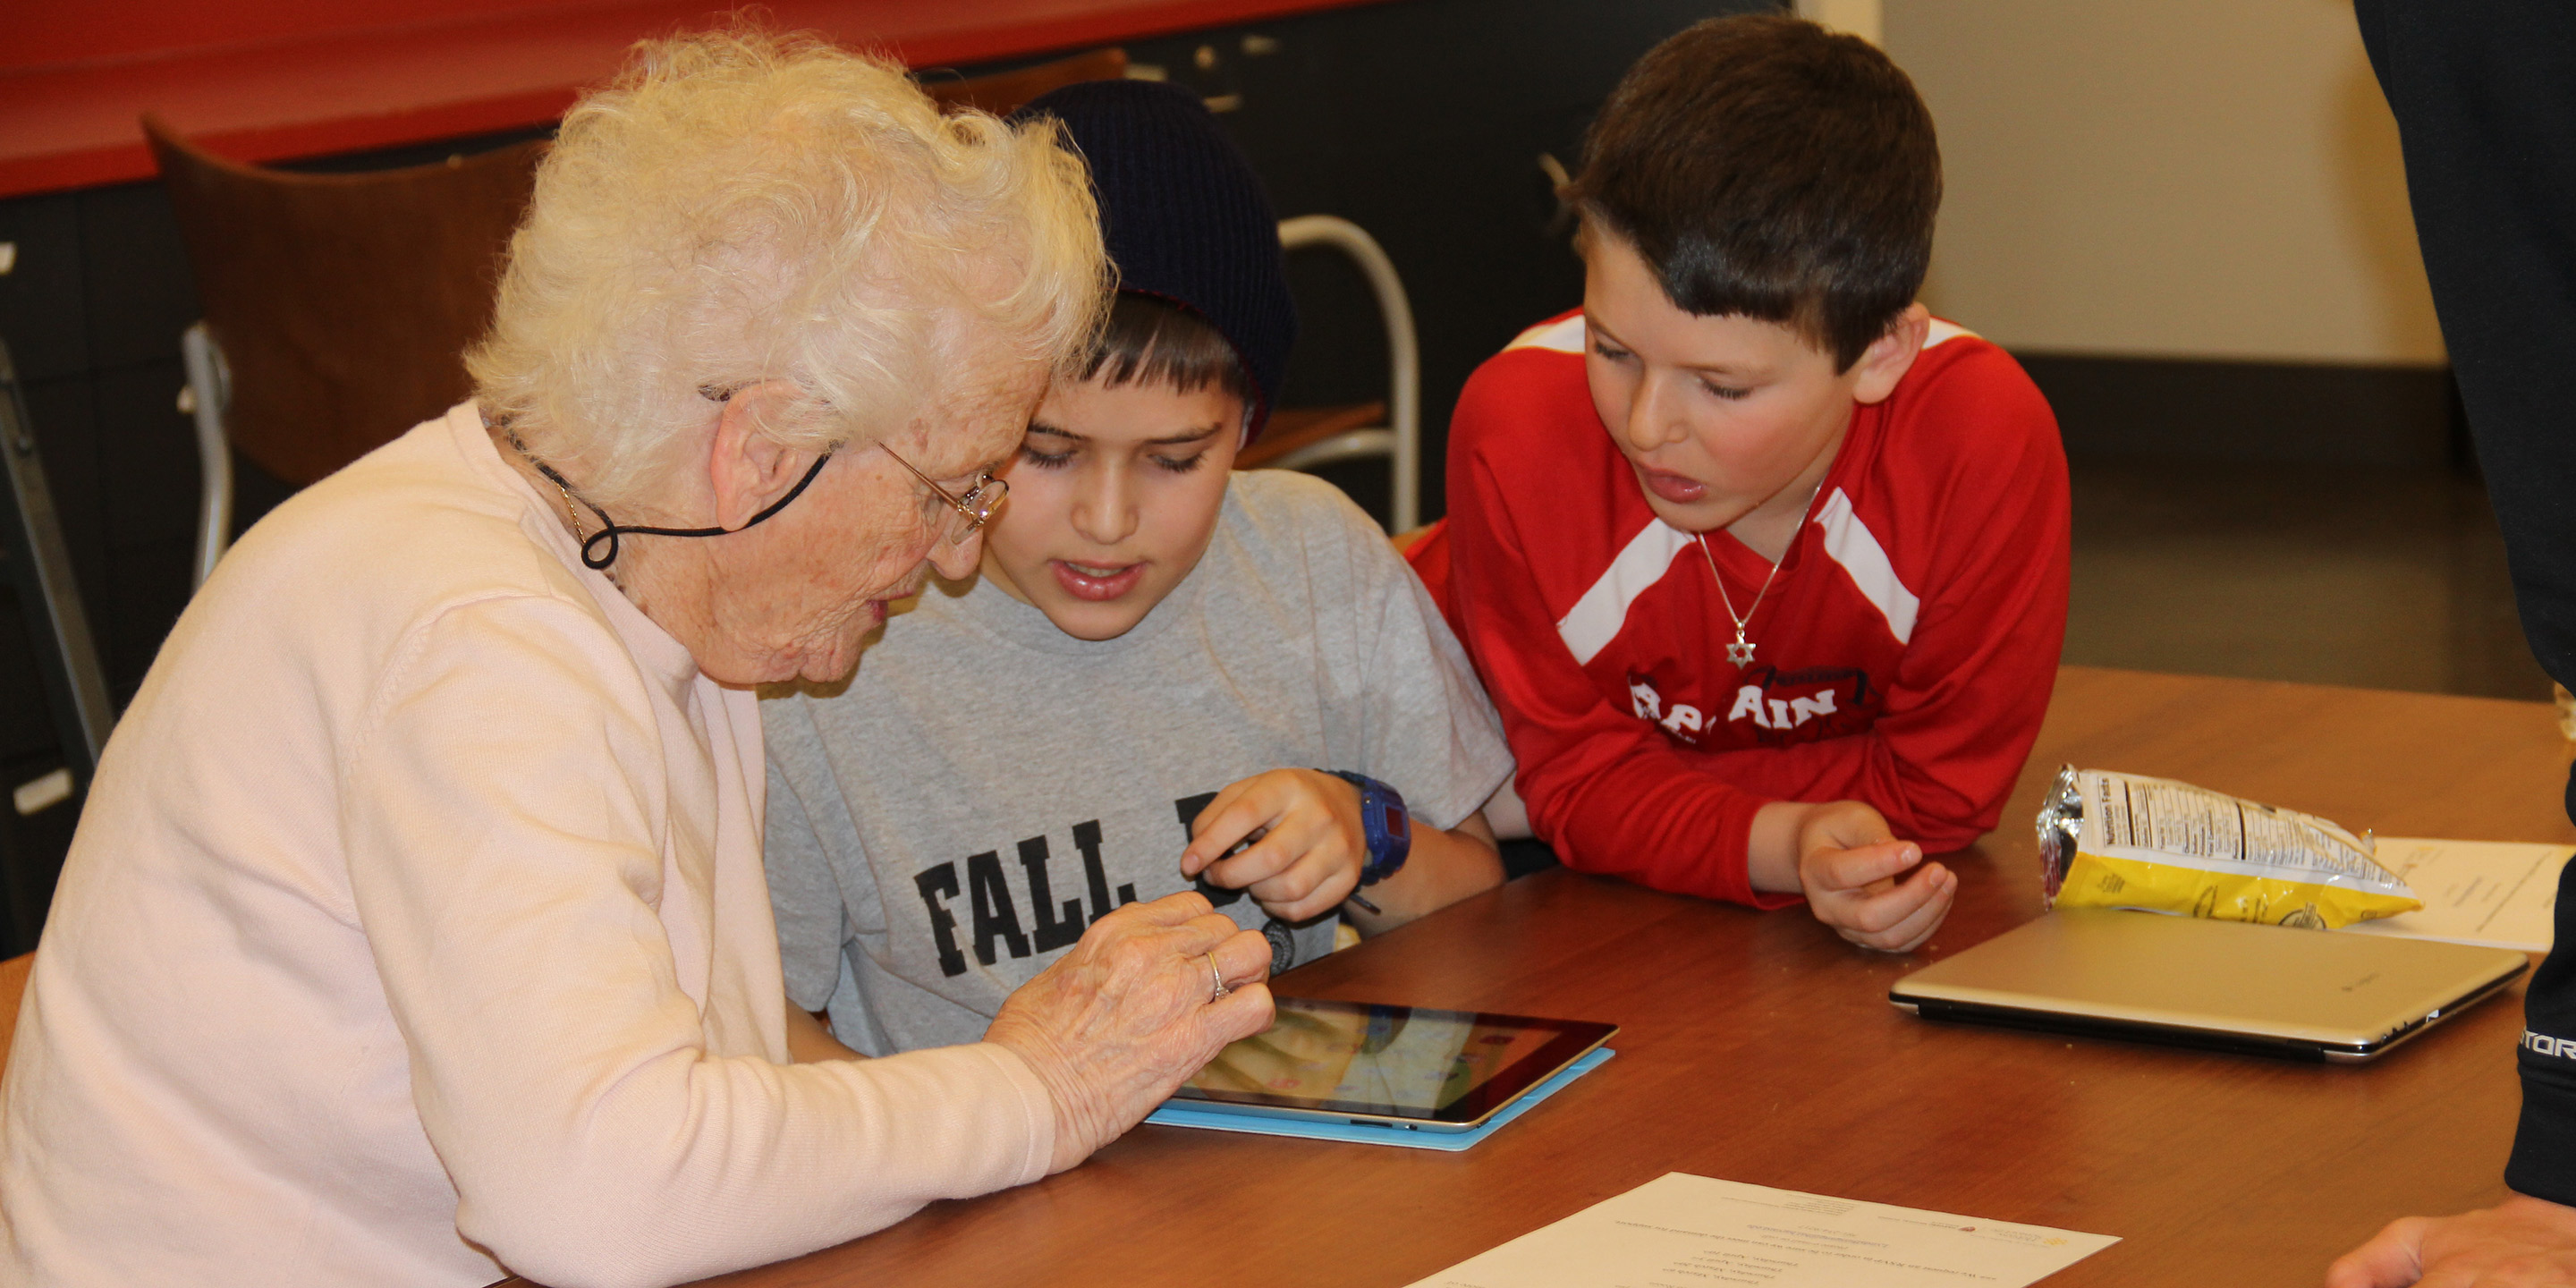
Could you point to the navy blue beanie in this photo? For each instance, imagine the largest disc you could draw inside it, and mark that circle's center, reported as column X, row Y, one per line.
column 1184, row 216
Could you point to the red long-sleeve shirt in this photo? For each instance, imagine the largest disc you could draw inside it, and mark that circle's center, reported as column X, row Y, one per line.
column 1904, row 654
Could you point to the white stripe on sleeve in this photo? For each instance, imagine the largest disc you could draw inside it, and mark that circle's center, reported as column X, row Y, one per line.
column 1597, row 617
column 1564, row 335
column 1865, row 561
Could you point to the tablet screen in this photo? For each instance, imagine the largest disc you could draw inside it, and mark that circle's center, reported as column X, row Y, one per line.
column 1401, row 1061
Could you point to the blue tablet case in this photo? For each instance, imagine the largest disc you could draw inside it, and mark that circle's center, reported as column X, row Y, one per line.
column 1178, row 1113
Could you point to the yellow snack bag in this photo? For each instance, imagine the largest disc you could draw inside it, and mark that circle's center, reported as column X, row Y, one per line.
column 2109, row 840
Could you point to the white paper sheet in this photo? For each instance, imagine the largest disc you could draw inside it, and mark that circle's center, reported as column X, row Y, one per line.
column 1683, row 1231
column 2500, row 894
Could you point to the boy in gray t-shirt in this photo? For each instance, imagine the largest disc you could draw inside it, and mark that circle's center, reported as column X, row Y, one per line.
column 1162, row 663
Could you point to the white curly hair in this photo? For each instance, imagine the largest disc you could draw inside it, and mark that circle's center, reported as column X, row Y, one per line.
column 738, row 206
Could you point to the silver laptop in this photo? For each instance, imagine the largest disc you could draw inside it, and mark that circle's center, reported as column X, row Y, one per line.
column 2223, row 985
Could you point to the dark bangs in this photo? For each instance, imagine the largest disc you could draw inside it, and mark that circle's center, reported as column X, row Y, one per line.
column 1153, row 341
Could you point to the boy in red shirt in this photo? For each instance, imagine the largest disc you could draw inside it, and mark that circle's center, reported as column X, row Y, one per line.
column 1765, row 568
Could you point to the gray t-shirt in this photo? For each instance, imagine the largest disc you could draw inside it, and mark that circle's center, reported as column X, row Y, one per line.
column 988, row 786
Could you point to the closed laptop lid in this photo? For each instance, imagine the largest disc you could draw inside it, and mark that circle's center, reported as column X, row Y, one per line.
column 2308, row 986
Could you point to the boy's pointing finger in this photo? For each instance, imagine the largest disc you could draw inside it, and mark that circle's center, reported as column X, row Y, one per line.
column 1864, row 866
column 1219, row 830
column 1901, row 919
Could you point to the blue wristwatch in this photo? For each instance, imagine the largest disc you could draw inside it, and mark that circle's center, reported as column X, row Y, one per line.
column 1383, row 820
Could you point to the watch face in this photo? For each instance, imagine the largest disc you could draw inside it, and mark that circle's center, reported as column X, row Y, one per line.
column 1399, row 825
column 1283, row 944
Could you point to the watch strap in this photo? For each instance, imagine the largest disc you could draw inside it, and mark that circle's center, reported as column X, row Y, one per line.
column 1386, row 824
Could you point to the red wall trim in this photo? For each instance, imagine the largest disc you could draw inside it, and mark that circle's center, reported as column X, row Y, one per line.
column 265, row 80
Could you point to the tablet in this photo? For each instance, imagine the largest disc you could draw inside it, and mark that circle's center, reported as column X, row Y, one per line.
column 1403, row 1066
column 2225, row 985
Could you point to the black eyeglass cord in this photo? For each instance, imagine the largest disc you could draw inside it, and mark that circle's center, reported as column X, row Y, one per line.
column 599, row 549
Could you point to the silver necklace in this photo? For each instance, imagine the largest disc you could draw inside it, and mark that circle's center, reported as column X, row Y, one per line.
column 1740, row 653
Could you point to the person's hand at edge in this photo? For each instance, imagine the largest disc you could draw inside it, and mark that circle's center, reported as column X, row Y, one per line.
column 1858, row 878
column 2522, row 1242
column 1113, row 1026
column 1315, row 847
column 1309, row 858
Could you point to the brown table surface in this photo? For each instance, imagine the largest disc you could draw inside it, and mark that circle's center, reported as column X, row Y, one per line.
column 1758, row 1047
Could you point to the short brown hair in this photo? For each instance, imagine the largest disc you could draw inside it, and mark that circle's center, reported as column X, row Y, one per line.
column 1154, row 341
column 1764, row 166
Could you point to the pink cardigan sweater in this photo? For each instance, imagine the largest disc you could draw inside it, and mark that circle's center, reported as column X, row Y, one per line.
column 416, row 928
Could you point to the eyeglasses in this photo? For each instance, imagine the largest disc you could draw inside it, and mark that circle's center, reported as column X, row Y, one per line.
column 973, row 510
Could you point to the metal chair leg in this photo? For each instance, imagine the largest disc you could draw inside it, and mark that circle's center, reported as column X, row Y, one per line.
column 1404, row 355
column 209, row 395
column 38, row 566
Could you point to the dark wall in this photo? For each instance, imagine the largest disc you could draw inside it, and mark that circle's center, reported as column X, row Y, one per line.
column 92, row 312
column 1422, row 121
column 2316, row 413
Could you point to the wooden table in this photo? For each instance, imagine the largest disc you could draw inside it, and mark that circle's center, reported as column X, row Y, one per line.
column 1758, row 1047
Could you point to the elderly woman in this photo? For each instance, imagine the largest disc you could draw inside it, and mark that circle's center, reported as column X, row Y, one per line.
column 416, row 928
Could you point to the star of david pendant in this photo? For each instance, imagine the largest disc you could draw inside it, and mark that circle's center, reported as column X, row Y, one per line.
column 1740, row 652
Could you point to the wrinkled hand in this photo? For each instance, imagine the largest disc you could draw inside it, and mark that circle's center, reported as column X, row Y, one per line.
column 1114, row 1025
column 1308, row 861
column 1849, row 863
column 2522, row 1242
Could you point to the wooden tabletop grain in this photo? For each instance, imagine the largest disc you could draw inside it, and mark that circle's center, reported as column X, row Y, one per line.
column 1758, row 1047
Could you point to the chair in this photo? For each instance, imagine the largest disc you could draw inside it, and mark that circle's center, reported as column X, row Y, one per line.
column 1298, row 438
column 1306, row 438
column 1004, row 92
column 338, row 306
column 13, row 986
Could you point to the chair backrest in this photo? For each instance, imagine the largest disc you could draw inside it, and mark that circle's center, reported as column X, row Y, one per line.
column 343, row 303
column 13, row 986
column 1003, row 92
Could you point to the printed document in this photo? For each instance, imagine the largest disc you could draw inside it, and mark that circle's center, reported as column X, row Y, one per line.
column 1683, row 1231
column 2498, row 894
